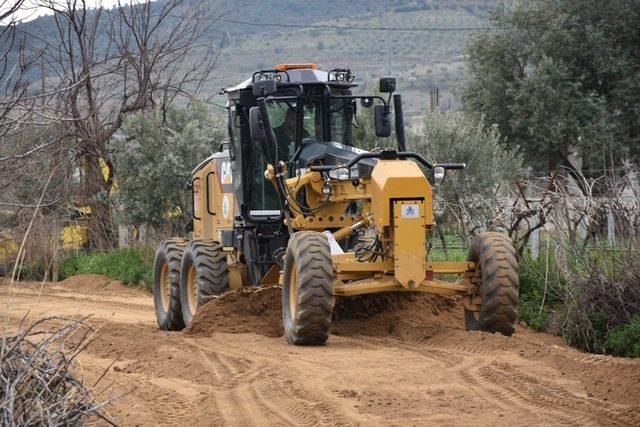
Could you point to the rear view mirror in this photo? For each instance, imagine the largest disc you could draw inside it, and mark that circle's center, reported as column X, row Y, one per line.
column 256, row 127
column 387, row 84
column 382, row 120
column 264, row 87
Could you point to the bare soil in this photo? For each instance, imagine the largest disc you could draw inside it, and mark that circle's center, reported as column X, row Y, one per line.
column 391, row 360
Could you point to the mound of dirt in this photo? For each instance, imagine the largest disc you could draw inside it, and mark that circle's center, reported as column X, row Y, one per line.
column 402, row 315
column 98, row 284
column 244, row 310
column 258, row 310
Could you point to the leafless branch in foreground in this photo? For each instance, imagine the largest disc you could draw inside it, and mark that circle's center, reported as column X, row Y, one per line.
column 39, row 381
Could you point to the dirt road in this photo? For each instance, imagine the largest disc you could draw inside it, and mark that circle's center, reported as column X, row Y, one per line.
column 395, row 361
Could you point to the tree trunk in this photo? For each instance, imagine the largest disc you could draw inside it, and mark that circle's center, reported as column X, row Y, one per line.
column 102, row 234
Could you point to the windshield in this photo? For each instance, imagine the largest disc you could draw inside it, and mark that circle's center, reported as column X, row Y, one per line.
column 283, row 117
column 340, row 121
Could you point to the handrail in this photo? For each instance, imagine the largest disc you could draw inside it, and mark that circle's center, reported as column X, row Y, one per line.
column 206, row 180
column 390, row 155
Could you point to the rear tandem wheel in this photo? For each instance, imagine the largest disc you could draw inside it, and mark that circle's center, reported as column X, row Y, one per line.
column 204, row 274
column 166, row 284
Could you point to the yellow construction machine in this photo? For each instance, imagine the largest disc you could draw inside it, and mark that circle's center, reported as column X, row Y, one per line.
column 291, row 199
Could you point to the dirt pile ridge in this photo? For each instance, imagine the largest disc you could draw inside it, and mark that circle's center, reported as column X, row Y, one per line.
column 258, row 310
column 98, row 284
column 245, row 310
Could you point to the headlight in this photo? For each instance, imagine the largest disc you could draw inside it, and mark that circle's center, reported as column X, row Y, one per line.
column 344, row 174
column 438, row 174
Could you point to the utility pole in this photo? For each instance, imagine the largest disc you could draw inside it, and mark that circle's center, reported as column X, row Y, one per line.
column 387, row 54
column 387, row 43
column 434, row 98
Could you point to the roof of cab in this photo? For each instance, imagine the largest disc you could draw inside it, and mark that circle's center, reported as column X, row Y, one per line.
column 296, row 76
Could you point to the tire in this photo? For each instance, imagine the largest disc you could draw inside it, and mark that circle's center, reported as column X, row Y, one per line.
column 495, row 256
column 203, row 275
column 166, row 284
column 307, row 290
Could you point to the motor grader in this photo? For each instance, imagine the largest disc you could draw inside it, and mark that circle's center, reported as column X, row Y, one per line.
column 290, row 198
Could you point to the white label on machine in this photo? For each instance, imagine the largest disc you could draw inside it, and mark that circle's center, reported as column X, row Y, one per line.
column 226, row 174
column 225, row 206
column 410, row 211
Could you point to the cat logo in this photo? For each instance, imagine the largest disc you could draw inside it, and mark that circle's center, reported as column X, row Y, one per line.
column 226, row 173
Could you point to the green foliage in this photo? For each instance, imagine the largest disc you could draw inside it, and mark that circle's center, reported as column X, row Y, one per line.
column 595, row 308
column 559, row 75
column 541, row 289
column 458, row 137
column 155, row 162
column 625, row 339
column 455, row 255
column 133, row 265
column 31, row 269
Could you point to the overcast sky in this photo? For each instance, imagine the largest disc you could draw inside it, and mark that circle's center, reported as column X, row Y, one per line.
column 30, row 10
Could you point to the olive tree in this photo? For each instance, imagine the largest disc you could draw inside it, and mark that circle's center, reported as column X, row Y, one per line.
column 464, row 199
column 155, row 161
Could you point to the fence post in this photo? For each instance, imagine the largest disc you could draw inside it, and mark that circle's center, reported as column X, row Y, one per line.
column 611, row 227
column 123, row 236
column 534, row 243
column 57, row 236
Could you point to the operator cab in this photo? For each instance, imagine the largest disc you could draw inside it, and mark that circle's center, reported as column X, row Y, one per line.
column 311, row 113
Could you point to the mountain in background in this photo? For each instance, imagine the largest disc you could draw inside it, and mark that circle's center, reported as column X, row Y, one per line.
column 257, row 34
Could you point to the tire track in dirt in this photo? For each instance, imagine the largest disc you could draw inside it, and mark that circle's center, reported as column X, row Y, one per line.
column 478, row 370
column 547, row 395
column 236, row 405
column 267, row 390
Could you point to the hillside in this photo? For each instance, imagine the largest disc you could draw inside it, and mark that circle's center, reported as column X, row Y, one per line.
column 260, row 34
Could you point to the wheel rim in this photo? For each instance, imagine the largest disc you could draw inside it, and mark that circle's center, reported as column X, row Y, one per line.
column 477, row 279
column 165, row 287
column 293, row 281
column 192, row 289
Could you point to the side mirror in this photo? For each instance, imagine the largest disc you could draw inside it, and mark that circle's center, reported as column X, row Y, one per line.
column 264, row 87
column 387, row 84
column 439, row 174
column 256, row 127
column 382, row 114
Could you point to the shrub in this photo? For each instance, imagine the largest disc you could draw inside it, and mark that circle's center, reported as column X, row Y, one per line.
column 155, row 161
column 625, row 339
column 595, row 306
column 132, row 265
column 605, row 298
column 541, row 290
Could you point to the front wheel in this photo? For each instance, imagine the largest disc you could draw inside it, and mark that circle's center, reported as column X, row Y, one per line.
column 307, row 289
column 498, row 287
